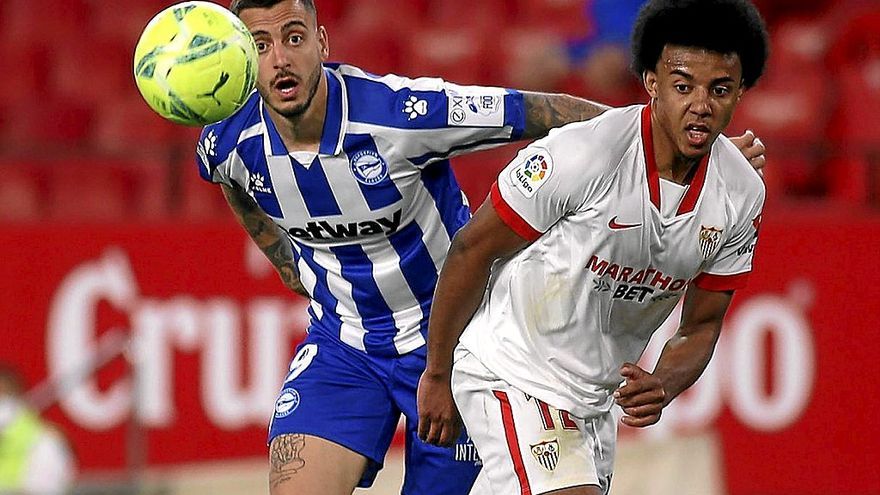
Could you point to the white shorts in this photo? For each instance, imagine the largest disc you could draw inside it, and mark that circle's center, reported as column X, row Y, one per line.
column 527, row 446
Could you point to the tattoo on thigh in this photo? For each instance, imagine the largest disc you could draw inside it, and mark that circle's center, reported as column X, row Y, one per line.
column 285, row 458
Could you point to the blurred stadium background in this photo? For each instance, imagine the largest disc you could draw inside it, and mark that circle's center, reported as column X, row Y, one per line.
column 155, row 336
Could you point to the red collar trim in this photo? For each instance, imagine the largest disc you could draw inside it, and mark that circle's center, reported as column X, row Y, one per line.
column 697, row 177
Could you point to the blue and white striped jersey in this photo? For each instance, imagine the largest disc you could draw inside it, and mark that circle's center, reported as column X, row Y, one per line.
column 372, row 214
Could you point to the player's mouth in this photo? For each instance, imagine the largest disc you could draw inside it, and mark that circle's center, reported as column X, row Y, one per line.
column 697, row 134
column 286, row 87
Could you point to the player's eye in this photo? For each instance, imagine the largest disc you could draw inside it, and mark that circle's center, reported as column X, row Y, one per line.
column 262, row 46
column 682, row 88
column 720, row 91
column 295, row 39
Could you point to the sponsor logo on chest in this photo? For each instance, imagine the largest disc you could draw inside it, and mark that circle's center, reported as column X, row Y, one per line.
column 633, row 284
column 349, row 230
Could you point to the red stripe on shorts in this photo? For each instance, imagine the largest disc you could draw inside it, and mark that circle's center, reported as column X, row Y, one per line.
column 513, row 442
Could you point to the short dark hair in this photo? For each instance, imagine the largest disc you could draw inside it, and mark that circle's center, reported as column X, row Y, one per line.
column 722, row 26
column 238, row 5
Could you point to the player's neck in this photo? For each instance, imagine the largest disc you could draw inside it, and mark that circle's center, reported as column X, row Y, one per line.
column 303, row 132
column 671, row 165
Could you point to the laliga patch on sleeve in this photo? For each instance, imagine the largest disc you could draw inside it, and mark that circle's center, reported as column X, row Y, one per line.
column 531, row 174
column 476, row 109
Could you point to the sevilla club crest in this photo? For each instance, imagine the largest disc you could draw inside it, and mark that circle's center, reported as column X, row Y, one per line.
column 547, row 454
column 710, row 238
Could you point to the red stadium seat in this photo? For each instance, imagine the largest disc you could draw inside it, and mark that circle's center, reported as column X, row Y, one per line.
column 127, row 125
column 854, row 174
column 855, row 125
column 457, row 55
column 800, row 44
column 850, row 180
column 565, row 17
column 789, row 107
column 80, row 192
column 21, row 194
column 775, row 10
column 199, row 200
column 371, row 48
column 112, row 21
column 531, row 59
column 25, row 69
column 63, row 21
column 476, row 172
column 857, row 40
column 787, row 111
column 96, row 189
column 331, row 12
column 390, row 15
column 107, row 73
column 490, row 15
column 46, row 125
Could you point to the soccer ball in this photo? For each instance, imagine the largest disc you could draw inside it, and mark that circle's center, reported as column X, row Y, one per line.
column 195, row 63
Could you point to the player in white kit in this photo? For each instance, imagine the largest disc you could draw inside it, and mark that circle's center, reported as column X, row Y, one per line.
column 589, row 239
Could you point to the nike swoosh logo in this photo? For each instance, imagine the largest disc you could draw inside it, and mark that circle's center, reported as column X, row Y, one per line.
column 613, row 225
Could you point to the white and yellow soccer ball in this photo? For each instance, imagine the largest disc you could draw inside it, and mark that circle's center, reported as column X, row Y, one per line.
column 195, row 63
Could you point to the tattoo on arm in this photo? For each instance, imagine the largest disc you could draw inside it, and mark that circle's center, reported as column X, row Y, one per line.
column 544, row 111
column 266, row 234
column 285, row 458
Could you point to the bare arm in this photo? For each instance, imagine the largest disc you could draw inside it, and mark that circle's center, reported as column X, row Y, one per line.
column 681, row 363
column 544, row 111
column 266, row 234
column 459, row 291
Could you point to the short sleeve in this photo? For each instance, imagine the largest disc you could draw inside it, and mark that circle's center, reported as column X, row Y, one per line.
column 472, row 118
column 211, row 160
column 537, row 189
column 732, row 265
column 431, row 120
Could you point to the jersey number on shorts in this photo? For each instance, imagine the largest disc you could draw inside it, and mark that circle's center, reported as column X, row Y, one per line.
column 547, row 417
column 301, row 361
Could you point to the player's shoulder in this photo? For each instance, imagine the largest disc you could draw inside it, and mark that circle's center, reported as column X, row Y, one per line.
column 601, row 141
column 358, row 79
column 218, row 140
column 613, row 130
column 738, row 175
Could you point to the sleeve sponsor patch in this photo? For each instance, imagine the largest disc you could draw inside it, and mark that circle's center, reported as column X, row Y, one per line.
column 476, row 109
column 531, row 174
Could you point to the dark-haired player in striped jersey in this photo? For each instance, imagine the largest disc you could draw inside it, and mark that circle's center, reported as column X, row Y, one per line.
column 342, row 178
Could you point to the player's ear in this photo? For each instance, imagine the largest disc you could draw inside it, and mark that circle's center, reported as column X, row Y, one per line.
column 649, row 79
column 324, row 41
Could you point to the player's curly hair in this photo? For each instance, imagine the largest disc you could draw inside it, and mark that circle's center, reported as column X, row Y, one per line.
column 723, row 26
column 238, row 5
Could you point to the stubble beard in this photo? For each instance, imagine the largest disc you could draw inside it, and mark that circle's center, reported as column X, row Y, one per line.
column 297, row 111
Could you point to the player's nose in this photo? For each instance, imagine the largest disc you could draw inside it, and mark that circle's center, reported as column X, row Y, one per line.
column 700, row 102
column 281, row 58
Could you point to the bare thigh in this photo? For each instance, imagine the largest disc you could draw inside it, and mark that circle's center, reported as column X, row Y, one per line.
column 577, row 490
column 306, row 465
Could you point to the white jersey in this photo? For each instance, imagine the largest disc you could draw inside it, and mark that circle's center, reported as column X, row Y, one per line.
column 371, row 215
column 606, row 266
